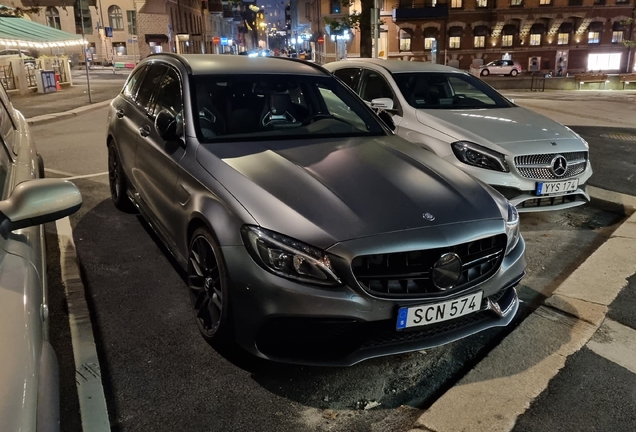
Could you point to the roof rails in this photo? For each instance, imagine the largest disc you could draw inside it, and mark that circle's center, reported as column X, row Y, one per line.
column 177, row 57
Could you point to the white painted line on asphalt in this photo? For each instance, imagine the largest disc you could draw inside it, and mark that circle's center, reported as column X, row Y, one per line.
column 93, row 410
column 69, row 176
column 53, row 171
column 86, row 176
column 616, row 343
column 502, row 386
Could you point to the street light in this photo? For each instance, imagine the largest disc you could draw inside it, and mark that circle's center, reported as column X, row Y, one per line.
column 263, row 25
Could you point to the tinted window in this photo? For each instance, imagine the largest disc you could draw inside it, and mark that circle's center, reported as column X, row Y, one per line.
column 7, row 135
column 374, row 86
column 6, row 121
column 149, row 84
column 349, row 76
column 131, row 87
column 278, row 107
column 169, row 95
column 429, row 90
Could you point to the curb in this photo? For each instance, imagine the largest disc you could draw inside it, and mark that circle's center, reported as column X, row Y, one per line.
column 48, row 118
column 502, row 386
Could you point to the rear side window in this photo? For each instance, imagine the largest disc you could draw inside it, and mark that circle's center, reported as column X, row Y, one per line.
column 150, row 83
column 7, row 128
column 169, row 95
column 130, row 90
column 349, row 76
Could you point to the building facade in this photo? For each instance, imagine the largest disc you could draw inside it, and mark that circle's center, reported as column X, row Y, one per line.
column 129, row 30
column 542, row 35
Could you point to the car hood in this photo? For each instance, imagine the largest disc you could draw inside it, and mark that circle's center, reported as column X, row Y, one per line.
column 325, row 191
column 503, row 129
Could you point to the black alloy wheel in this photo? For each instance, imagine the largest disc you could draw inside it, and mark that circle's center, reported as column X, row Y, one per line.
column 117, row 181
column 207, row 283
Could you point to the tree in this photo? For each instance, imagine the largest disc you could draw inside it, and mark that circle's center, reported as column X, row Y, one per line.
column 17, row 12
column 630, row 42
column 356, row 21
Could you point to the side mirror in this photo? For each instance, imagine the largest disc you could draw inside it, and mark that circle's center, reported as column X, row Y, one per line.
column 35, row 202
column 387, row 119
column 382, row 103
column 168, row 126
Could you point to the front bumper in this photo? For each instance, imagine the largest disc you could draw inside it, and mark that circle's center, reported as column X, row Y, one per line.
column 521, row 191
column 282, row 320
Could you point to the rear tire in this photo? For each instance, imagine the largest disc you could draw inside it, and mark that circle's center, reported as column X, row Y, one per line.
column 514, row 72
column 117, row 182
column 485, row 72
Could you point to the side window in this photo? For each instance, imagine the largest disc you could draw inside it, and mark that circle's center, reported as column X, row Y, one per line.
column 339, row 109
column 131, row 87
column 169, row 95
column 349, row 76
column 374, row 86
column 7, row 129
column 149, row 83
column 7, row 136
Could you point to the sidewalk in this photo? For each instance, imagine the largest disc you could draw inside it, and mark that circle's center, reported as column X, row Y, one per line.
column 67, row 99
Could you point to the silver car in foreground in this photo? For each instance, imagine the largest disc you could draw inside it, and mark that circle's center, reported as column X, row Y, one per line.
column 29, row 397
column 309, row 232
column 535, row 162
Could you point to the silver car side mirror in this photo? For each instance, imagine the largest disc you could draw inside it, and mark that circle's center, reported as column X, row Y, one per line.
column 382, row 103
column 39, row 201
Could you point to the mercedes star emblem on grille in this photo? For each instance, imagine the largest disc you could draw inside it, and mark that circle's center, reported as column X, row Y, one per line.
column 559, row 165
column 447, row 270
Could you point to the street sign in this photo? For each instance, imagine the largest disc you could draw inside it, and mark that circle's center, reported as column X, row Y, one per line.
column 223, row 41
column 216, row 40
column 108, row 31
column 321, row 40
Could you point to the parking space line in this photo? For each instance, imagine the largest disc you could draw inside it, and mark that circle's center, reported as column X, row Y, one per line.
column 92, row 400
column 616, row 343
column 53, row 171
column 69, row 176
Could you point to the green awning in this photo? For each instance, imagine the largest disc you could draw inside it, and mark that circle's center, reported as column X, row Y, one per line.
column 16, row 31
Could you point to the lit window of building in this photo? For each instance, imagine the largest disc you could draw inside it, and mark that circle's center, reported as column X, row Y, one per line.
column 563, row 39
column 480, row 41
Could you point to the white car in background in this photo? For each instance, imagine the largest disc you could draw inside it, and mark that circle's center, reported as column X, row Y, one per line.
column 500, row 67
column 535, row 162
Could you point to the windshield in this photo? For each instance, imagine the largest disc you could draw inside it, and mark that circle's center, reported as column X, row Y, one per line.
column 439, row 90
column 272, row 107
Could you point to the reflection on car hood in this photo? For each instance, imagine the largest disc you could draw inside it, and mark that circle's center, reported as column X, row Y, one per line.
column 500, row 126
column 333, row 190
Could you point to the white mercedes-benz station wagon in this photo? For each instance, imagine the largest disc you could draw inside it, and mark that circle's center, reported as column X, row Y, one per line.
column 535, row 162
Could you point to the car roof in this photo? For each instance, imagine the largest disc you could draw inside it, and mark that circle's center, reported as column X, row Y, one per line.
column 397, row 66
column 203, row 64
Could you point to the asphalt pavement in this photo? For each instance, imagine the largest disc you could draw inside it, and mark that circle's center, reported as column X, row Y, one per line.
column 596, row 379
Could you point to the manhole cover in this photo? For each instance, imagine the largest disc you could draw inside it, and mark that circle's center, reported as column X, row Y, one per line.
column 619, row 136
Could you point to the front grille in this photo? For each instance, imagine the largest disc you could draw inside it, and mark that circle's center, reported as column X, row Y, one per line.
column 552, row 201
column 538, row 166
column 408, row 274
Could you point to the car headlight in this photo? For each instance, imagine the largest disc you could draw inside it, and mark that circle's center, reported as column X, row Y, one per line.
column 476, row 155
column 289, row 258
column 512, row 228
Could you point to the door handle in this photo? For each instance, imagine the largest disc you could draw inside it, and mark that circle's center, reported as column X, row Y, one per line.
column 120, row 113
column 144, row 131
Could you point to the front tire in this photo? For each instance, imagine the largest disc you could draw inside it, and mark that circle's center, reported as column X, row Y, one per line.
column 207, row 285
column 485, row 72
column 117, row 181
column 514, row 72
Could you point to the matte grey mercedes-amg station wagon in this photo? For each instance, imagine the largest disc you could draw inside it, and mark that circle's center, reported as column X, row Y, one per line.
column 310, row 233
